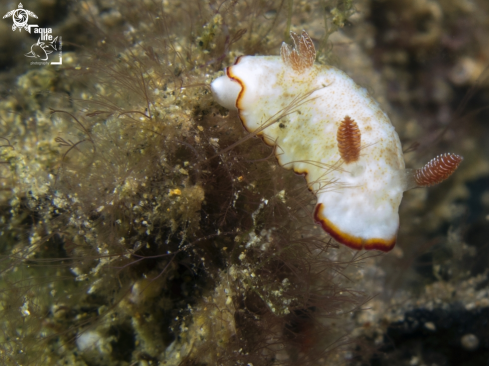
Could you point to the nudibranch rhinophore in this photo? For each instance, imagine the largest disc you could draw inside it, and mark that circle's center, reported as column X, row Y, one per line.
column 329, row 129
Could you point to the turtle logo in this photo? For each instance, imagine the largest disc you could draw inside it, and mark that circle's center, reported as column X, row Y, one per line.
column 20, row 17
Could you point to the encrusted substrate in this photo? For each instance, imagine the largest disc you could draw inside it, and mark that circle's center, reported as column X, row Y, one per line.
column 130, row 237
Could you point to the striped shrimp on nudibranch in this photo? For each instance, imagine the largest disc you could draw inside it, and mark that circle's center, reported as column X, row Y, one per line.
column 326, row 127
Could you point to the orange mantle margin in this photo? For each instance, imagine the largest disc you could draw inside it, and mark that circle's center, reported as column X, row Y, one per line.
column 351, row 241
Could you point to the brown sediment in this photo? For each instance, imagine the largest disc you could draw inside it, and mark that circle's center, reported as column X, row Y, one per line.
column 351, row 241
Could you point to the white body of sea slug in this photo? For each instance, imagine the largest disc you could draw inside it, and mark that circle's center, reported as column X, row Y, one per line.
column 329, row 129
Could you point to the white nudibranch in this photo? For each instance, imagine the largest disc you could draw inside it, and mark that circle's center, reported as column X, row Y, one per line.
column 329, row 129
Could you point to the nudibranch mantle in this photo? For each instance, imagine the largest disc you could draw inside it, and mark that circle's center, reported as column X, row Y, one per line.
column 308, row 113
